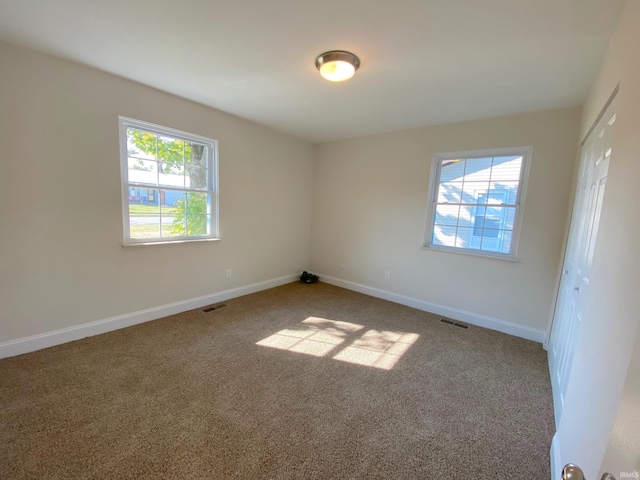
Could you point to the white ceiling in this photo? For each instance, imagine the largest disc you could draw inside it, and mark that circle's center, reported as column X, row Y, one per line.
column 424, row 62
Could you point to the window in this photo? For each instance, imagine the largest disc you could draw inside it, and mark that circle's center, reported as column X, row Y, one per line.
column 169, row 184
column 475, row 201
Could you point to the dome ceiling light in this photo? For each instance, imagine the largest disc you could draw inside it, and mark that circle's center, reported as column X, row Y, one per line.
column 337, row 65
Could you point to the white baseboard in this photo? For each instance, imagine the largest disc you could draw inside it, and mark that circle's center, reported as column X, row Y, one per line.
column 457, row 314
column 70, row 334
column 64, row 335
column 556, row 461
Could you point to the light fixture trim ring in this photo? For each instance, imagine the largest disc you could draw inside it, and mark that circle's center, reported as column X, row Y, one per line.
column 338, row 55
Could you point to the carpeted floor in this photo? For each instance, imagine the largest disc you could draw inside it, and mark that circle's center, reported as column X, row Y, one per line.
column 300, row 381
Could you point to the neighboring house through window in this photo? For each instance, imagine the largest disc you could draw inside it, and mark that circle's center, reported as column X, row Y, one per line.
column 169, row 184
column 475, row 201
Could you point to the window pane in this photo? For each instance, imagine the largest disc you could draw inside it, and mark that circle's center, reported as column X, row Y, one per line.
column 171, row 201
column 475, row 192
column 171, row 150
column 143, row 202
column 171, row 206
column 144, row 221
column 509, row 218
column 490, row 233
column 506, row 242
column 452, row 170
column 170, row 228
column 196, row 178
column 196, row 154
column 450, row 192
column 494, row 220
column 444, row 235
column 478, row 223
column 198, row 210
column 174, row 227
column 141, row 144
column 142, row 171
column 506, row 168
column 466, row 217
column 509, row 191
column 171, row 174
column 144, row 213
column 171, row 156
column 496, row 196
column 447, row 214
column 491, row 240
column 463, row 237
column 198, row 224
column 478, row 169
column 197, row 202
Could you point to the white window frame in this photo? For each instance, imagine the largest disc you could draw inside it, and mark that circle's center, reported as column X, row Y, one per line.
column 212, row 166
column 432, row 199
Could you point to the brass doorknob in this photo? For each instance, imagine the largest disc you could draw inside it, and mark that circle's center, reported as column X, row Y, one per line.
column 572, row 472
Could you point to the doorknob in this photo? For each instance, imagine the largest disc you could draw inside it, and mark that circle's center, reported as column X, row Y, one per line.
column 576, row 289
column 574, row 472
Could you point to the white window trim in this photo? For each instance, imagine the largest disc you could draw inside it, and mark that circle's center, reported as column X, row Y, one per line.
column 432, row 199
column 212, row 145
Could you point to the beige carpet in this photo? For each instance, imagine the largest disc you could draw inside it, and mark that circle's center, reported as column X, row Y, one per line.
column 300, row 381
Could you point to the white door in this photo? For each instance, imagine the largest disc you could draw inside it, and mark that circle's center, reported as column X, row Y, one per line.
column 574, row 285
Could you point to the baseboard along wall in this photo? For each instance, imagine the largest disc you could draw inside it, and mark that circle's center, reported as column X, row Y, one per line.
column 70, row 334
column 471, row 318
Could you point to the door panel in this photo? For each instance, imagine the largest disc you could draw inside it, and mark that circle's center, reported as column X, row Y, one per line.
column 574, row 284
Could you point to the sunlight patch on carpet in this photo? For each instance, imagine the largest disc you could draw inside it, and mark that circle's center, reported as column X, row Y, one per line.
column 320, row 336
column 378, row 349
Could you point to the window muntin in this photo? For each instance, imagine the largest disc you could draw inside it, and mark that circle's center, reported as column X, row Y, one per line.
column 169, row 184
column 475, row 201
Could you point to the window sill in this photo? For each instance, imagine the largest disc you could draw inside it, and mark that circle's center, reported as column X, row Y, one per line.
column 471, row 253
column 167, row 242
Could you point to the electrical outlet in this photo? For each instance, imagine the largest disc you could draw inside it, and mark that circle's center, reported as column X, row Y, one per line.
column 342, row 266
column 387, row 275
column 228, row 273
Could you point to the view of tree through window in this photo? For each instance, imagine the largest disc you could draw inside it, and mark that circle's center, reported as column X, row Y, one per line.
column 169, row 183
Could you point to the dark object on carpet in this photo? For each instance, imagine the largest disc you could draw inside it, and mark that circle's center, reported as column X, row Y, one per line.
column 308, row 277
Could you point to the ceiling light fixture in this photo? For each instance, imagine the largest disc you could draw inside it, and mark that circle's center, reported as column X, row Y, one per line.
column 337, row 65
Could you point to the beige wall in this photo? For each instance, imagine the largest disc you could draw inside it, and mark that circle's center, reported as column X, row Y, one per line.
column 61, row 262
column 369, row 212
column 602, row 407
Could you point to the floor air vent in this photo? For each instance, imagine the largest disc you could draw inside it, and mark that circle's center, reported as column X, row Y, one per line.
column 211, row 308
column 455, row 324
